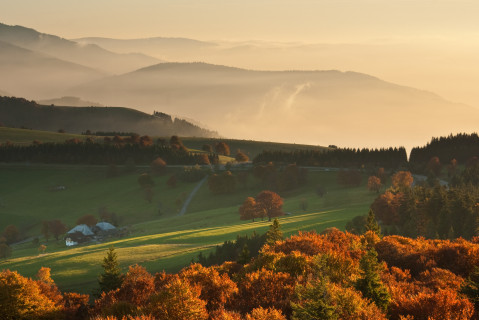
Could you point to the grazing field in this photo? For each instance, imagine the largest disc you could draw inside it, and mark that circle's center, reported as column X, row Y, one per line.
column 28, row 195
column 158, row 243
column 27, row 136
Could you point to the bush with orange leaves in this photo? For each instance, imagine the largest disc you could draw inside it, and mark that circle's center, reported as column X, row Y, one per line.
column 265, row 288
column 22, row 298
column 134, row 293
column 217, row 290
column 178, row 300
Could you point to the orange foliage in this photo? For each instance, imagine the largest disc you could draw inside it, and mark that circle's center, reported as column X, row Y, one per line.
column 217, row 290
column 178, row 300
column 386, row 207
column 402, row 179
column 265, row 314
column 267, row 289
column 374, row 183
column 21, row 298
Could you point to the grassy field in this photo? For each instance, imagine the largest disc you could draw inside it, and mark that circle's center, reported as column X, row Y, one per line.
column 158, row 243
column 26, row 136
column 27, row 197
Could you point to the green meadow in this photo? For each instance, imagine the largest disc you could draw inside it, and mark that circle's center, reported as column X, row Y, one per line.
column 158, row 242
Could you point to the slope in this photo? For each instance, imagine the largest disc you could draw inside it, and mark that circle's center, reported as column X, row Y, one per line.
column 91, row 56
column 314, row 107
column 35, row 74
column 16, row 112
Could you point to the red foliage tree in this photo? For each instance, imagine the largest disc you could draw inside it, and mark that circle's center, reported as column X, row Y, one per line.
column 271, row 203
column 158, row 166
column 267, row 289
column 217, row 290
column 222, row 148
column 250, row 210
column 402, row 179
column 374, row 184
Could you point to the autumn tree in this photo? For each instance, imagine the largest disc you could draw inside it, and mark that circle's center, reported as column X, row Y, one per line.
column 217, row 290
column 11, row 233
column 88, row 219
column 222, row 148
column 402, row 180
column 265, row 314
column 178, row 300
column 249, row 209
column 370, row 283
column 111, row 278
column 21, row 298
column 146, row 141
column 374, row 184
column 271, row 203
column 241, row 156
column 274, row 233
column 158, row 166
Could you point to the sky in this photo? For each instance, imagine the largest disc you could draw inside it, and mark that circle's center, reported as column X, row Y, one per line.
column 274, row 20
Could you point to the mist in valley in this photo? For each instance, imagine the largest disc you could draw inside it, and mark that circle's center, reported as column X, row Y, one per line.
column 331, row 76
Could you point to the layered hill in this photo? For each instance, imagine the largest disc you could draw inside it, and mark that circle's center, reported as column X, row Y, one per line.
column 35, row 74
column 89, row 55
column 16, row 112
column 316, row 107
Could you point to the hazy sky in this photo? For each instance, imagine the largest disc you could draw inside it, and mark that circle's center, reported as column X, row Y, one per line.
column 280, row 20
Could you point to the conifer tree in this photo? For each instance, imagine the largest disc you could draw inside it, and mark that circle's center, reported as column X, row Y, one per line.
column 274, row 233
column 370, row 283
column 471, row 287
column 245, row 255
column 111, row 278
column 372, row 224
column 312, row 301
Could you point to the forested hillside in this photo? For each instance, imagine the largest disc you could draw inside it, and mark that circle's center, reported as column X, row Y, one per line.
column 17, row 112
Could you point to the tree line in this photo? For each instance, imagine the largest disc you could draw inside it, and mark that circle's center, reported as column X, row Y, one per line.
column 461, row 147
column 390, row 158
column 91, row 153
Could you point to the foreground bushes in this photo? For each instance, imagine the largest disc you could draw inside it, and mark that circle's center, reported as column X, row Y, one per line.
column 308, row 276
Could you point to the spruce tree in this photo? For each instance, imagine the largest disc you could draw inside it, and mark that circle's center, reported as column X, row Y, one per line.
column 372, row 224
column 244, row 256
column 312, row 301
column 370, row 283
column 274, row 233
column 471, row 287
column 111, row 278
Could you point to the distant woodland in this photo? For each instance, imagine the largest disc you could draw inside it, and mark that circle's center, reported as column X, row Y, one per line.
column 21, row 113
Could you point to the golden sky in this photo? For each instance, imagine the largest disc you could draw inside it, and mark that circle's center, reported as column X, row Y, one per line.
column 276, row 20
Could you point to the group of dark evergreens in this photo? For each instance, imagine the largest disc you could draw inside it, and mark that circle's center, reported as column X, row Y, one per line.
column 339, row 158
column 78, row 152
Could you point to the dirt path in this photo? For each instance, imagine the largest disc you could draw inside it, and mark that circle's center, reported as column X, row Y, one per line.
column 190, row 197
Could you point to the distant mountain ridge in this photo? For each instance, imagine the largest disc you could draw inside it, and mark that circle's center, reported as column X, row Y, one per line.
column 18, row 112
column 315, row 107
column 32, row 73
column 89, row 55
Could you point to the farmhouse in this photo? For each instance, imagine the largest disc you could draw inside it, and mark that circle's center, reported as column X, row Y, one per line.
column 82, row 233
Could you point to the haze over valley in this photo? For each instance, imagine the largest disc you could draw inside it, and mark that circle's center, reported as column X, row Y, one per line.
column 291, row 104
